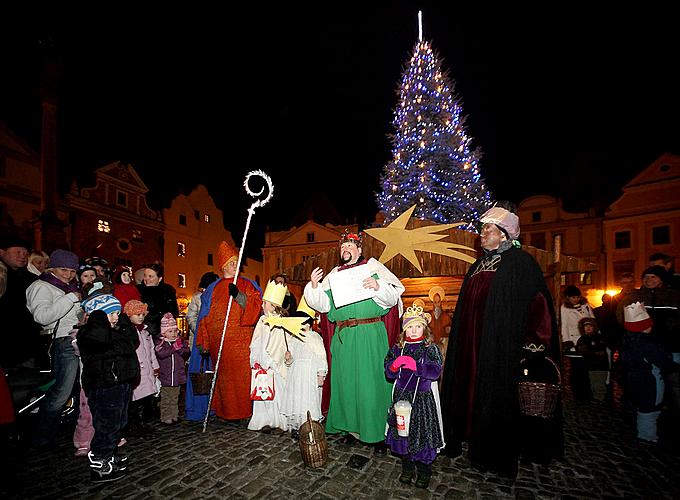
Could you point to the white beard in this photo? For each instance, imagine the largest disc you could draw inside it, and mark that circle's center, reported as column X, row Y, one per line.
column 437, row 311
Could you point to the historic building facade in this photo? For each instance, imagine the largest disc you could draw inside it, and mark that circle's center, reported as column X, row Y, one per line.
column 193, row 232
column 645, row 220
column 112, row 219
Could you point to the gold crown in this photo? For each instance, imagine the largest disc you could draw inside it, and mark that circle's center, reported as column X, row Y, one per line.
column 275, row 293
column 356, row 238
column 304, row 307
column 534, row 348
column 413, row 312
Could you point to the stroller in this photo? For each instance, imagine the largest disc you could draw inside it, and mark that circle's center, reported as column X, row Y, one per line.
column 27, row 388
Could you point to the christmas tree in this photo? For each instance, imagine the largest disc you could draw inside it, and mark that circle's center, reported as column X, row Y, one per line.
column 433, row 165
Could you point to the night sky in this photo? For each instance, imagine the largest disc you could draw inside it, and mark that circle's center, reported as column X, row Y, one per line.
column 573, row 104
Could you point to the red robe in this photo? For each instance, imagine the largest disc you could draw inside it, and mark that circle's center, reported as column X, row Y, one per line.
column 231, row 399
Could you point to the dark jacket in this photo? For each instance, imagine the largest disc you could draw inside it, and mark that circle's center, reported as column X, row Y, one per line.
column 21, row 334
column 109, row 355
column 160, row 299
column 639, row 355
column 593, row 348
column 663, row 306
column 171, row 361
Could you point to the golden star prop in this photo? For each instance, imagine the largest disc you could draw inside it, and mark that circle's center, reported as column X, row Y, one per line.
column 401, row 241
column 293, row 325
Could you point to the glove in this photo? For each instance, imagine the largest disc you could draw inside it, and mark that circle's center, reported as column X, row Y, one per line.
column 177, row 345
column 233, row 290
column 406, row 362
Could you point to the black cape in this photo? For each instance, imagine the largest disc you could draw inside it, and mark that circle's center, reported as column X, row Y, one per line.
column 500, row 434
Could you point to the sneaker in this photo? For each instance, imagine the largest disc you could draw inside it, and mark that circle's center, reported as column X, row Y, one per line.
column 122, row 442
column 120, row 461
column 104, row 470
column 81, row 452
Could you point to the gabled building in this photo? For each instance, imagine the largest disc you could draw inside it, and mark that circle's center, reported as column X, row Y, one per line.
column 194, row 230
column 112, row 219
column 644, row 220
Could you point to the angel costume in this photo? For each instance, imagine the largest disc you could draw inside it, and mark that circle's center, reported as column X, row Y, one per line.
column 267, row 349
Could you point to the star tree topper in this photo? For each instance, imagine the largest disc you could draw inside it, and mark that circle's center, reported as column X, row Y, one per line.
column 401, row 241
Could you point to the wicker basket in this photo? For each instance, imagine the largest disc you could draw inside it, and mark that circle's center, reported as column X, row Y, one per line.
column 313, row 444
column 539, row 399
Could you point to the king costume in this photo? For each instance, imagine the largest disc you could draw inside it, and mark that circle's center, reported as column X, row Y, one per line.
column 503, row 305
column 360, row 393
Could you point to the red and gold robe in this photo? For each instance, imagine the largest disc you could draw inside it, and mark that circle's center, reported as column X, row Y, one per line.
column 231, row 399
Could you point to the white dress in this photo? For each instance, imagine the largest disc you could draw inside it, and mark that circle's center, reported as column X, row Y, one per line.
column 302, row 390
column 268, row 348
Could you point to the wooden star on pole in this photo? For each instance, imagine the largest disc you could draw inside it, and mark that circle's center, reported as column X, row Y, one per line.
column 401, row 241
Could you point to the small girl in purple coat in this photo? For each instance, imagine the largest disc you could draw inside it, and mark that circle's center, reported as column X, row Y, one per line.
column 172, row 354
column 416, row 363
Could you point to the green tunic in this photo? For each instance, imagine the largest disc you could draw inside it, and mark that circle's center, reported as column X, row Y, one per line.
column 360, row 393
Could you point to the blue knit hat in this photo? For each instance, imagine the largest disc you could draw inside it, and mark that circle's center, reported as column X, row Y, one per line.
column 105, row 302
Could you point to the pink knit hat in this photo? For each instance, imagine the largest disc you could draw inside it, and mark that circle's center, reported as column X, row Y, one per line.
column 168, row 323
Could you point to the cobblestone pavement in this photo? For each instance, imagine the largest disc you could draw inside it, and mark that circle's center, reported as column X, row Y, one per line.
column 603, row 460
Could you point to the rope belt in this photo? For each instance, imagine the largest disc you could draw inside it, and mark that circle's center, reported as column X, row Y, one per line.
column 356, row 321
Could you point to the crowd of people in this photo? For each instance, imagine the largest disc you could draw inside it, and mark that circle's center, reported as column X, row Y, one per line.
column 346, row 351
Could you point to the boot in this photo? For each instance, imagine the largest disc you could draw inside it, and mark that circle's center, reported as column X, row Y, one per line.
column 408, row 470
column 424, row 473
column 104, row 470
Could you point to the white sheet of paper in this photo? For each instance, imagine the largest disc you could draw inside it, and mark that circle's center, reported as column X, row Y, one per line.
column 347, row 286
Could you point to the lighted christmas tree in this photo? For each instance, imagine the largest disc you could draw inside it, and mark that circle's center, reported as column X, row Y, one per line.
column 433, row 165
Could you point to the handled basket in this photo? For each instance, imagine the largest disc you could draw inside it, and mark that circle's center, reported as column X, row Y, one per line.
column 313, row 444
column 201, row 381
column 539, row 399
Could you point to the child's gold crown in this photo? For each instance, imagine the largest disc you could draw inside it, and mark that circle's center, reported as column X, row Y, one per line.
column 275, row 293
column 413, row 315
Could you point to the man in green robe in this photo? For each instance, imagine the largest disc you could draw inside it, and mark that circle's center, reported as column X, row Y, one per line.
column 360, row 393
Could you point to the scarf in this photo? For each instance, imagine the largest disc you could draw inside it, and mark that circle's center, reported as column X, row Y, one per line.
column 71, row 286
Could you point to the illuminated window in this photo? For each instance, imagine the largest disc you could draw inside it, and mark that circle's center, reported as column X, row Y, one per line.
column 181, row 249
column 181, row 280
column 206, row 217
column 103, row 226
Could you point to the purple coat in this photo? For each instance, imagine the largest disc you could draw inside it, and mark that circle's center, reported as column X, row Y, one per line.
column 172, row 362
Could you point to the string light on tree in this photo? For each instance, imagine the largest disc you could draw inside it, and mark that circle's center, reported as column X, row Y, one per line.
column 432, row 163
